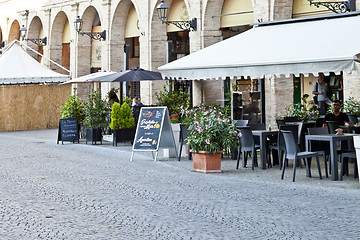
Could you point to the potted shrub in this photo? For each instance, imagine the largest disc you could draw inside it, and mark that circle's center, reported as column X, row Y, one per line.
column 73, row 108
column 122, row 123
column 175, row 101
column 96, row 112
column 210, row 133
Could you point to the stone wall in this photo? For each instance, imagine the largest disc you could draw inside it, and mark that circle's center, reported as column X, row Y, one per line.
column 31, row 106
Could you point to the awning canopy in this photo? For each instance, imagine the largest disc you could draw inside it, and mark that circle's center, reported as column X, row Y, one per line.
column 18, row 67
column 301, row 46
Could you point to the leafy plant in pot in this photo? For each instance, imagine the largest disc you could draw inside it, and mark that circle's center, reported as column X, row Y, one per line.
column 209, row 134
column 96, row 113
column 73, row 108
column 122, row 123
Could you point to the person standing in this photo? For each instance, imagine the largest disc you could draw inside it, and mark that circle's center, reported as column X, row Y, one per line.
column 320, row 89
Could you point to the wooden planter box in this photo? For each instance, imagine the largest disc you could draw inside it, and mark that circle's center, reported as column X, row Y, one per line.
column 93, row 135
column 206, row 163
column 123, row 135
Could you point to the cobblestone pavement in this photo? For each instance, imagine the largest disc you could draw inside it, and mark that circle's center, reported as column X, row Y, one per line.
column 78, row 191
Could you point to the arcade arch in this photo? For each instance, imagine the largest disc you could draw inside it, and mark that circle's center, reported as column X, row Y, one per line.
column 36, row 31
column 60, row 42
column 14, row 32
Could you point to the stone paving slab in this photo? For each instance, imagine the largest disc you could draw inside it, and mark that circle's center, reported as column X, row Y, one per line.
column 78, row 191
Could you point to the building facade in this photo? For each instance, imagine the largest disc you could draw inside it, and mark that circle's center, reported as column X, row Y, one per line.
column 136, row 37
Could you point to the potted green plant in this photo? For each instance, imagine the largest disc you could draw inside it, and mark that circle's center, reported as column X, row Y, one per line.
column 96, row 112
column 122, row 123
column 209, row 134
column 175, row 101
column 73, row 108
column 351, row 105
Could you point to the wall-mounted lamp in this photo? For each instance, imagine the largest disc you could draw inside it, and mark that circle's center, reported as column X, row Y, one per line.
column 37, row 41
column 163, row 10
column 93, row 35
column 336, row 7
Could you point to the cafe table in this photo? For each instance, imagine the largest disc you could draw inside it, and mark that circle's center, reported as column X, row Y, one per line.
column 263, row 134
column 333, row 139
column 351, row 128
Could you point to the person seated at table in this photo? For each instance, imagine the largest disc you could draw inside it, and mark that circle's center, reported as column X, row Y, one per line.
column 336, row 115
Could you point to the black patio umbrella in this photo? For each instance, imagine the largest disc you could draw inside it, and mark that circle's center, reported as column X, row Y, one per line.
column 131, row 75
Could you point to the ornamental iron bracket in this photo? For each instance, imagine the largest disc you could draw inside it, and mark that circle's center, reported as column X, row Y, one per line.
column 185, row 25
column 38, row 41
column 336, row 7
column 95, row 35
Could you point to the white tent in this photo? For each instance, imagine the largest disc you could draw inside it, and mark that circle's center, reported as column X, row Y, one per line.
column 89, row 78
column 17, row 66
column 302, row 46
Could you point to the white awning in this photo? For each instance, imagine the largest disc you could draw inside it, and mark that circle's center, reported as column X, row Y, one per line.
column 18, row 67
column 318, row 44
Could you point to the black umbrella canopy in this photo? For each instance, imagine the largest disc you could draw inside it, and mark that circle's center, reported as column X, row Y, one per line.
column 131, row 75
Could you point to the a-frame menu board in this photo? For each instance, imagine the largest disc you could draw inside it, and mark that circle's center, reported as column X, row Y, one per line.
column 153, row 131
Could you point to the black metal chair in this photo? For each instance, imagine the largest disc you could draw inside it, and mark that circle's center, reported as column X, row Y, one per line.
column 183, row 135
column 241, row 123
column 280, row 144
column 345, row 161
column 319, row 122
column 332, row 126
column 247, row 145
column 292, row 119
column 321, row 147
column 293, row 154
column 280, row 122
column 352, row 118
column 257, row 126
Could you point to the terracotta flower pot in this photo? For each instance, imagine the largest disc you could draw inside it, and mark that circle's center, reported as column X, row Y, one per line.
column 206, row 163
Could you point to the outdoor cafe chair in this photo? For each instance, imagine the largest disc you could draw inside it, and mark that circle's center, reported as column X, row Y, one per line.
column 257, row 126
column 279, row 146
column 280, row 122
column 292, row 119
column 321, row 147
column 332, row 126
column 292, row 153
column 344, row 160
column 319, row 122
column 353, row 118
column 241, row 123
column 247, row 145
column 183, row 135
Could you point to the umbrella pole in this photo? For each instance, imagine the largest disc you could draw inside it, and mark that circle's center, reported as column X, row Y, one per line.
column 121, row 93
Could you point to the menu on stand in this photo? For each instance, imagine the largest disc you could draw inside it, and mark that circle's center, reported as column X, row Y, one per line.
column 68, row 130
column 148, row 128
column 153, row 131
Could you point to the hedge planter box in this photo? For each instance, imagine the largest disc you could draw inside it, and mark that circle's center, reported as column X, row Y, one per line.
column 93, row 135
column 123, row 135
column 206, row 163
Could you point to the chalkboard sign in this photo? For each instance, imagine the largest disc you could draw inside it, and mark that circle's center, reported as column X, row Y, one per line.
column 153, row 130
column 68, row 130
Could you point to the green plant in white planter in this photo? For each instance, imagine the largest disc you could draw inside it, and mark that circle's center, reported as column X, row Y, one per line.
column 122, row 123
column 96, row 112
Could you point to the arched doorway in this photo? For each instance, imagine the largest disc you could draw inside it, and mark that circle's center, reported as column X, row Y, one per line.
column 302, row 8
column 132, row 49
column 178, row 41
column 35, row 31
column 14, row 32
column 60, row 42
column 89, row 50
column 236, row 17
column 2, row 43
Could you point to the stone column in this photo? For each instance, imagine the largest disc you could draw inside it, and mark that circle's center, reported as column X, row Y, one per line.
column 278, row 94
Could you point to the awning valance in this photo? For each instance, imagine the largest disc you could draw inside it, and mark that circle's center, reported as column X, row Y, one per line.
column 323, row 44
